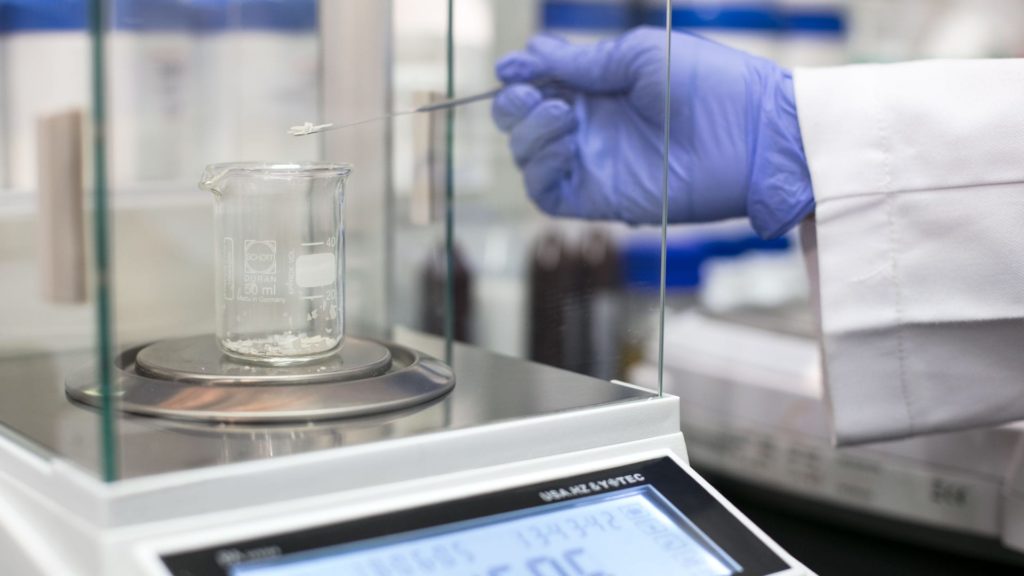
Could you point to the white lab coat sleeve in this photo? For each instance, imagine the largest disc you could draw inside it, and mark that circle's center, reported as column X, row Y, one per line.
column 918, row 176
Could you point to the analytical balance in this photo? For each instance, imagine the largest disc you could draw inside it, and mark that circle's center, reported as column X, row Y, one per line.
column 281, row 446
column 517, row 469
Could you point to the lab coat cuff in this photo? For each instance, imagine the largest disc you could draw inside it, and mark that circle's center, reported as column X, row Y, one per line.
column 918, row 182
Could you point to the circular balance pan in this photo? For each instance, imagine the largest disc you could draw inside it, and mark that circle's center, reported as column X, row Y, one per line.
column 221, row 393
column 198, row 359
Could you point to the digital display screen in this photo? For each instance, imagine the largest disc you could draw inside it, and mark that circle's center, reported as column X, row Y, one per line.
column 635, row 531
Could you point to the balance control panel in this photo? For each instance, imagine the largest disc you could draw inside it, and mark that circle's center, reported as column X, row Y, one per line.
column 651, row 518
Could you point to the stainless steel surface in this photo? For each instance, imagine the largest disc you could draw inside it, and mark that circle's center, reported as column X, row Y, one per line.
column 491, row 389
column 413, row 378
column 197, row 359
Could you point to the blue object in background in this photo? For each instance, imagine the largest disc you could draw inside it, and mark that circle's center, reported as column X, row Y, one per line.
column 150, row 15
column 591, row 16
column 685, row 255
column 216, row 15
column 43, row 15
column 276, row 15
column 768, row 17
column 641, row 264
column 161, row 15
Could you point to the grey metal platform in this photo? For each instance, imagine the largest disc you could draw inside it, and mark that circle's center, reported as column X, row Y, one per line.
column 190, row 379
column 491, row 388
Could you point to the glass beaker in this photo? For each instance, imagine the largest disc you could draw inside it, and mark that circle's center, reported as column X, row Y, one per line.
column 280, row 259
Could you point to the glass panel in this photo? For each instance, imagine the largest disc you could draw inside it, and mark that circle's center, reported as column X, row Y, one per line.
column 734, row 272
column 174, row 86
column 421, row 154
column 580, row 294
column 721, row 267
column 356, row 86
column 106, row 387
column 251, row 254
column 440, row 236
column 51, row 278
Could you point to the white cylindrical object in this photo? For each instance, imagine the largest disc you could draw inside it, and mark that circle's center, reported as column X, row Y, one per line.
column 277, row 83
column 260, row 75
column 151, row 76
column 46, row 71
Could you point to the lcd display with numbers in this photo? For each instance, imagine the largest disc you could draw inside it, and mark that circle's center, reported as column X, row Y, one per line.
column 584, row 537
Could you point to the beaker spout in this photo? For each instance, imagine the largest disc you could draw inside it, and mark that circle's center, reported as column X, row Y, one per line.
column 213, row 178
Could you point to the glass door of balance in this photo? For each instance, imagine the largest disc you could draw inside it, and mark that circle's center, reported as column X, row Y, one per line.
column 111, row 241
column 499, row 266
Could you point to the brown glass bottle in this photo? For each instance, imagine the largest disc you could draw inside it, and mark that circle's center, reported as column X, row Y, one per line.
column 599, row 287
column 433, row 281
column 555, row 330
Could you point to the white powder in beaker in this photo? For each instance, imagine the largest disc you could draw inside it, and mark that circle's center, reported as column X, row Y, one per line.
column 283, row 345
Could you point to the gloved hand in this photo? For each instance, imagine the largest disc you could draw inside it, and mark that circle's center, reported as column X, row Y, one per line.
column 735, row 145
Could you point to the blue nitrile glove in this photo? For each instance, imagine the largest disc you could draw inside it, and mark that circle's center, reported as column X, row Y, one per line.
column 735, row 139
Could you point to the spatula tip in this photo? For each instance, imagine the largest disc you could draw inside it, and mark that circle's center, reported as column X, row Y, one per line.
column 307, row 128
